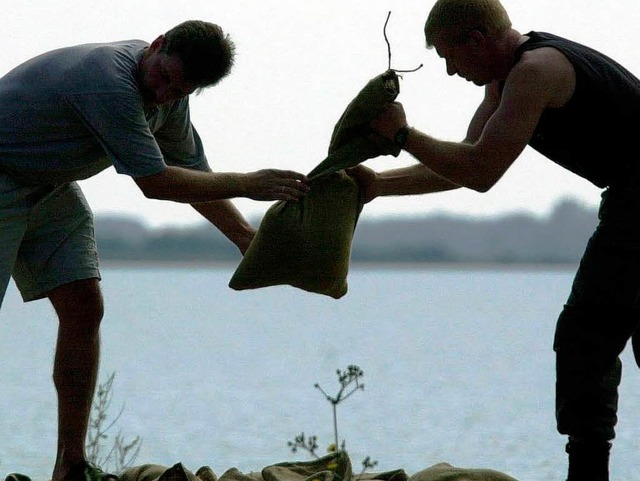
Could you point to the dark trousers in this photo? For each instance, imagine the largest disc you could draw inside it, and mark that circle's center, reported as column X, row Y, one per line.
column 600, row 316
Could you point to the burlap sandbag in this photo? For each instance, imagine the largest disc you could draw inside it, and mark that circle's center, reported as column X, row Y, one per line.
column 307, row 244
column 353, row 141
column 158, row 472
column 333, row 467
column 446, row 472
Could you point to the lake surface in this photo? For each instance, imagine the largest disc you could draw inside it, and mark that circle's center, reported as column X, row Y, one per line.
column 458, row 368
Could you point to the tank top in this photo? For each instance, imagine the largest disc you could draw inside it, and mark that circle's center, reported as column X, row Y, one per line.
column 595, row 134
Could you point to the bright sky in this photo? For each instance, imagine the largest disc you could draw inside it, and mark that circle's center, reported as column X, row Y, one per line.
column 299, row 64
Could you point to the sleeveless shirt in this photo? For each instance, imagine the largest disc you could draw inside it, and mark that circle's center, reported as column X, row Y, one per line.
column 594, row 134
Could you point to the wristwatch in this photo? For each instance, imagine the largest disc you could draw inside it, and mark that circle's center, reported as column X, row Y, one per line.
column 400, row 139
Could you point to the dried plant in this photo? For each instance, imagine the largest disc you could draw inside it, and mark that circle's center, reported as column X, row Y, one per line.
column 122, row 453
column 307, row 444
column 350, row 382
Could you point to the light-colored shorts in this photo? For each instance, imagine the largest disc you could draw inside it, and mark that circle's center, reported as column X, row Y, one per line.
column 46, row 237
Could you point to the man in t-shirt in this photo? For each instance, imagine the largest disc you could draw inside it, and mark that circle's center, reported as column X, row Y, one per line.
column 580, row 109
column 71, row 113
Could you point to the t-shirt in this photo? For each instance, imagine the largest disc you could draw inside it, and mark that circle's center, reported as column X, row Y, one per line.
column 70, row 113
column 594, row 134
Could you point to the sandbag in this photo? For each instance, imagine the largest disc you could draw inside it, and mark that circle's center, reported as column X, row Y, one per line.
column 446, row 472
column 307, row 243
column 332, row 467
column 158, row 472
column 352, row 140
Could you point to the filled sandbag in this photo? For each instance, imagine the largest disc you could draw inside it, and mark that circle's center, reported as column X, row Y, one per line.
column 307, row 243
column 158, row 472
column 446, row 472
column 332, row 467
column 353, row 141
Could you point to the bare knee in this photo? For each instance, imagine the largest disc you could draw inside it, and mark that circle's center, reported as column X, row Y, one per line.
column 79, row 305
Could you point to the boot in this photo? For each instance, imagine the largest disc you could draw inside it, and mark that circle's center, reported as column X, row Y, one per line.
column 588, row 460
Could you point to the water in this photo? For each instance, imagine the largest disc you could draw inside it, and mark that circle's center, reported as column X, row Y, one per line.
column 458, row 368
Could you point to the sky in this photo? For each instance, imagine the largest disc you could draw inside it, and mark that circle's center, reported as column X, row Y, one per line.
column 299, row 63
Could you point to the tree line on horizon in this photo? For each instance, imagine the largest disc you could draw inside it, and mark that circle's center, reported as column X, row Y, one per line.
column 519, row 238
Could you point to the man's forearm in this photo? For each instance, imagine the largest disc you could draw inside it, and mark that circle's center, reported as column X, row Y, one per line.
column 228, row 220
column 189, row 186
column 414, row 180
column 454, row 162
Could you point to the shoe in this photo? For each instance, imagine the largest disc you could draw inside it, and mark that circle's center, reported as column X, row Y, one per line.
column 17, row 477
column 86, row 471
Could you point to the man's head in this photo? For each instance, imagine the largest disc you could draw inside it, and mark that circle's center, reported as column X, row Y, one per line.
column 453, row 20
column 207, row 54
column 469, row 35
column 189, row 57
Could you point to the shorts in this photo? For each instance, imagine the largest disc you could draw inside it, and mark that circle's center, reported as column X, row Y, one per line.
column 47, row 237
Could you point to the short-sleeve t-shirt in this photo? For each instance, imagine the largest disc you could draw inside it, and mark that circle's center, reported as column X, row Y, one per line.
column 70, row 113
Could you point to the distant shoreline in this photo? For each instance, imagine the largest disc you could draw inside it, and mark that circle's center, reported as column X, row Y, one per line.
column 433, row 266
column 441, row 243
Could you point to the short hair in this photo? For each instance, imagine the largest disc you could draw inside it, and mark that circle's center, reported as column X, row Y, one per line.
column 207, row 53
column 453, row 20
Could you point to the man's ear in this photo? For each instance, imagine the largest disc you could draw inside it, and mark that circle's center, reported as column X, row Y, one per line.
column 476, row 38
column 157, row 44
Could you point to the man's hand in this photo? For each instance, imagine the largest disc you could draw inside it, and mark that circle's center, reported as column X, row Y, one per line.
column 367, row 180
column 273, row 184
column 389, row 120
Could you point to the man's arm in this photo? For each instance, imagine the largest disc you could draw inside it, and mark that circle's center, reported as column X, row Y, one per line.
column 413, row 180
column 189, row 186
column 543, row 78
column 226, row 217
column 485, row 110
column 479, row 165
column 418, row 179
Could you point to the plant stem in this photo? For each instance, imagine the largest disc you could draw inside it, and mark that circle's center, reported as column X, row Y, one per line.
column 335, row 425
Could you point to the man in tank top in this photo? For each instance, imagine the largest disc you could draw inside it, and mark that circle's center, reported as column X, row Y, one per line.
column 580, row 109
column 67, row 115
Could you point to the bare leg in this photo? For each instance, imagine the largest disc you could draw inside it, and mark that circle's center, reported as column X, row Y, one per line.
column 79, row 307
